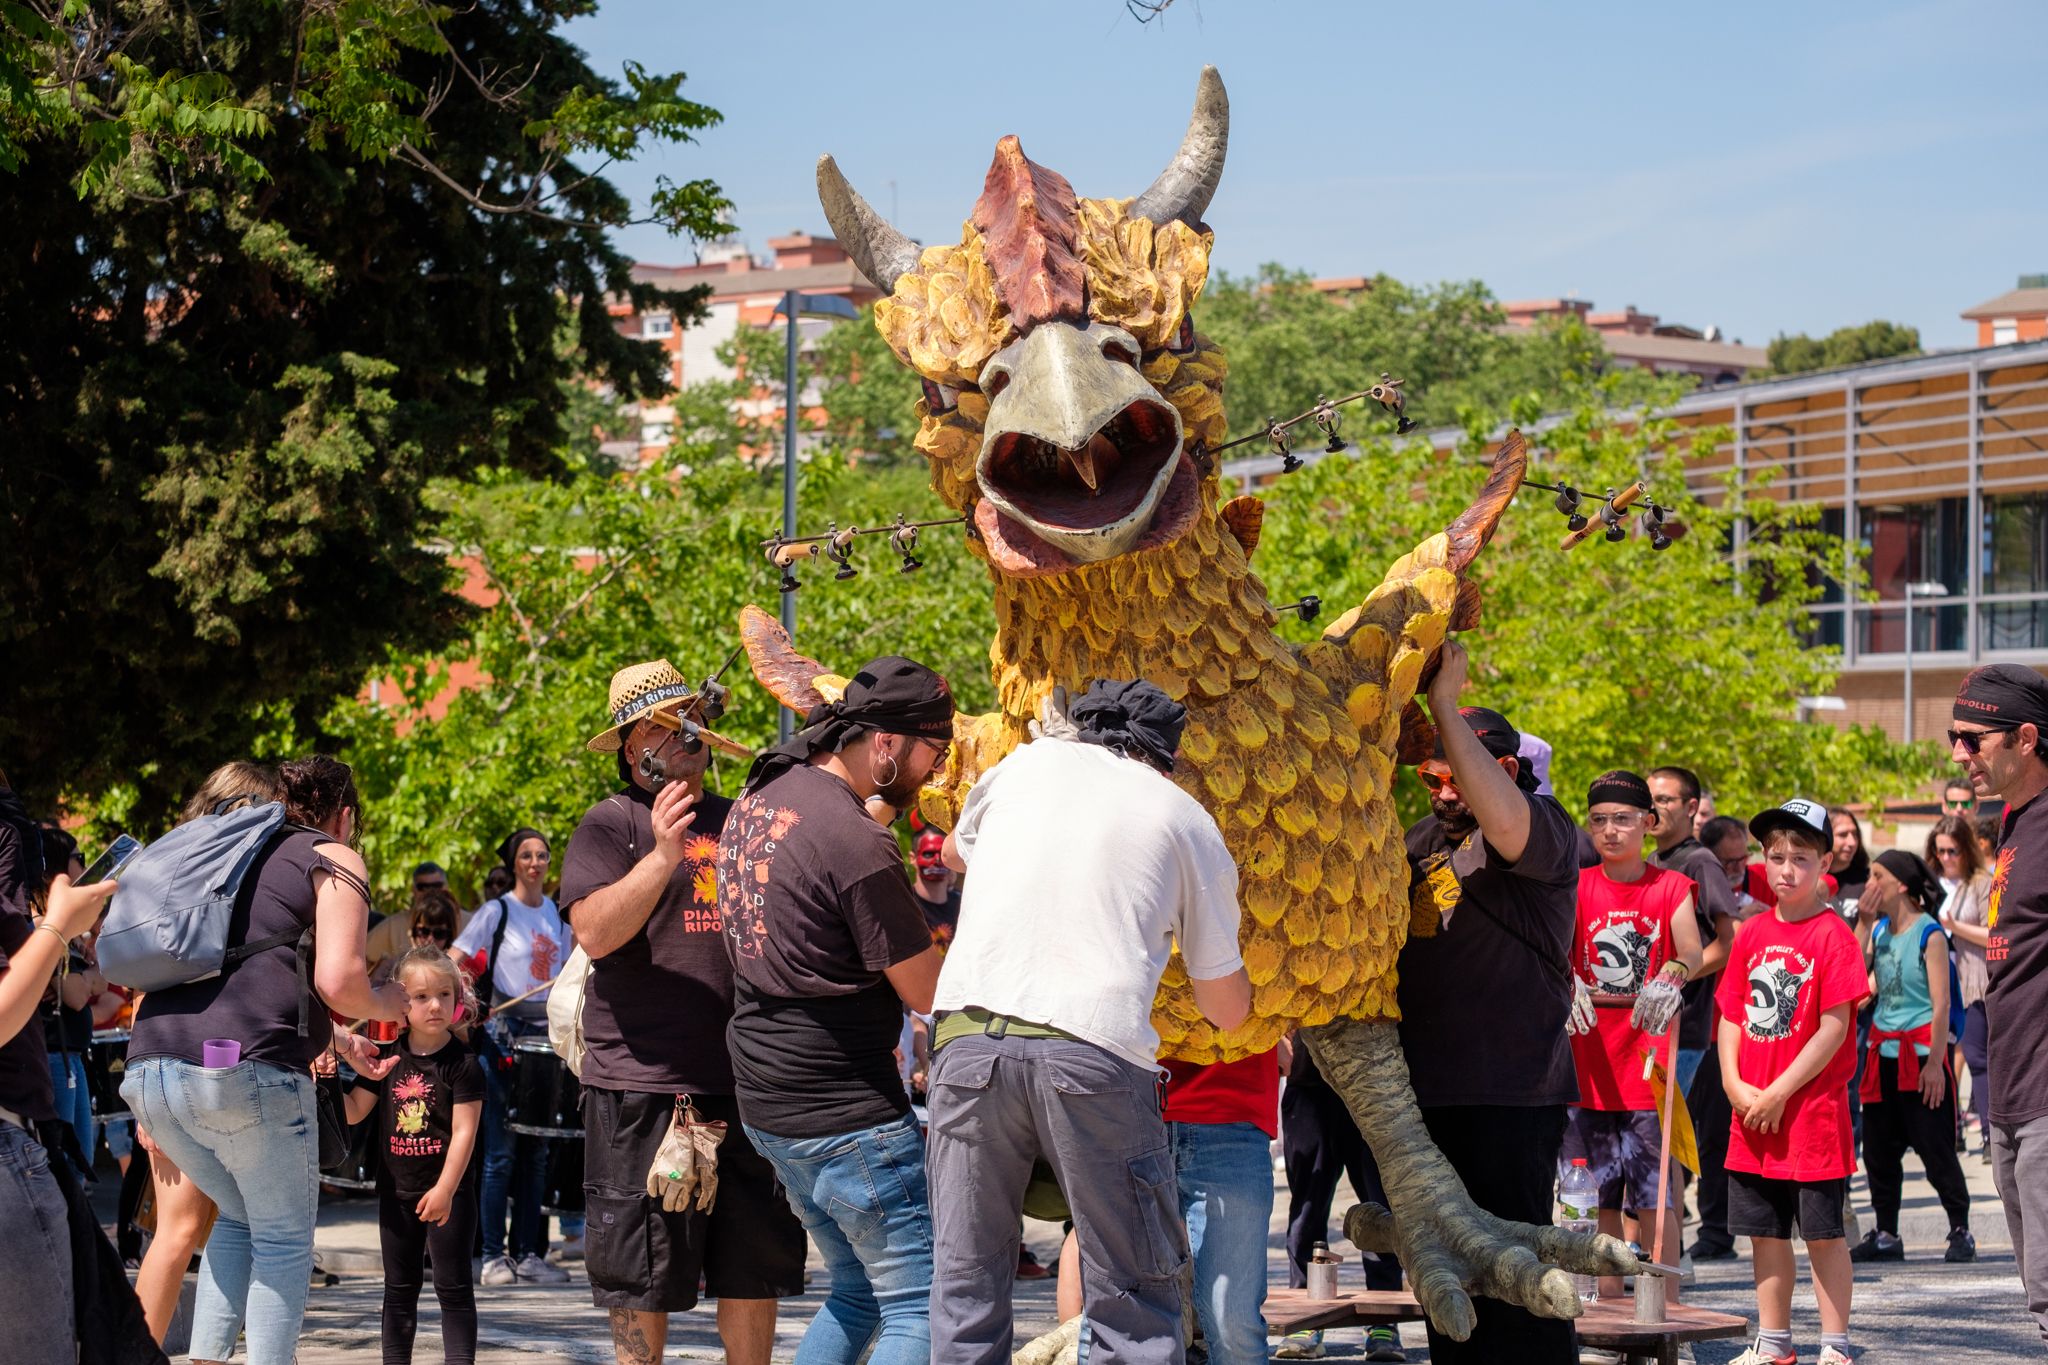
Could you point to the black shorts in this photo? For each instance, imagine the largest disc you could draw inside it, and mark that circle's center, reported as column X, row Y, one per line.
column 640, row 1256
column 1765, row 1206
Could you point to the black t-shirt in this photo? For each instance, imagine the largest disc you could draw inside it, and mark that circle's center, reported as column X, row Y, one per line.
column 256, row 1002
column 655, row 1007
column 415, row 1115
column 816, row 907
column 2016, row 1003
column 66, row 1029
column 1484, row 999
column 24, row 1061
column 942, row 918
column 1711, row 901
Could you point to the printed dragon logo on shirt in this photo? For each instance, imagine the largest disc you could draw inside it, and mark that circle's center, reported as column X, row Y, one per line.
column 701, row 853
column 412, row 1094
column 1621, row 958
column 1774, row 986
column 544, row 961
column 1999, row 878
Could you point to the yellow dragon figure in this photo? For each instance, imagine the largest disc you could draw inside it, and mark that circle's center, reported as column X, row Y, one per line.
column 1070, row 410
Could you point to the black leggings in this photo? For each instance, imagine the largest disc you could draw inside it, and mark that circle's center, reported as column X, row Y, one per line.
column 1321, row 1143
column 406, row 1241
column 1900, row 1121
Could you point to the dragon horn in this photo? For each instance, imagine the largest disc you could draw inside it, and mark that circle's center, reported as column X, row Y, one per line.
column 883, row 254
column 1184, row 189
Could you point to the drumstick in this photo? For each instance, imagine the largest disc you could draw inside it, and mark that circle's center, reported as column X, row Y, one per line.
column 1664, row 1156
column 507, row 1004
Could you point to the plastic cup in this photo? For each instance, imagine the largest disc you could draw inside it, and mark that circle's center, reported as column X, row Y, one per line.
column 219, row 1053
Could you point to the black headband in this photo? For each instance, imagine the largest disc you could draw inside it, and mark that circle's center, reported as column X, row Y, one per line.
column 894, row 695
column 2004, row 695
column 1914, row 876
column 508, row 852
column 1131, row 715
column 1498, row 736
column 1620, row 788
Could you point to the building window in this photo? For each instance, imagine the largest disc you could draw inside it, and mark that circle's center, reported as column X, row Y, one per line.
column 655, row 326
column 2015, row 566
column 2004, row 331
column 1915, row 543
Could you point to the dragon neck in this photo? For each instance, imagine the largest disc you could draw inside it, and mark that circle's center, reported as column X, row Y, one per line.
column 1138, row 616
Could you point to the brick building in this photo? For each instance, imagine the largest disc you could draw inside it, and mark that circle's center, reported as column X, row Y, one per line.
column 2017, row 315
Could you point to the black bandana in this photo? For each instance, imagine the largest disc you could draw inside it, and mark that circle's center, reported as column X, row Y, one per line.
column 1131, row 716
column 1498, row 736
column 2004, row 695
column 1914, row 876
column 894, row 695
column 1620, row 788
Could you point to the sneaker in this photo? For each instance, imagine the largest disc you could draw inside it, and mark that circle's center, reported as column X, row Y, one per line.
column 1830, row 1356
column 1701, row 1251
column 1596, row 1355
column 570, row 1249
column 498, row 1270
column 1383, row 1343
column 1752, row 1356
column 1961, row 1246
column 1300, row 1346
column 1878, row 1246
column 1028, row 1267
column 533, row 1270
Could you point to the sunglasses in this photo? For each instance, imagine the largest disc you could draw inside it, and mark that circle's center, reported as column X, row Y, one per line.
column 1973, row 740
column 438, row 935
column 430, row 886
column 1950, row 852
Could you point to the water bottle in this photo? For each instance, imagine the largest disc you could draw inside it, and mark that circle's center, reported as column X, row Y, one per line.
column 1578, row 1200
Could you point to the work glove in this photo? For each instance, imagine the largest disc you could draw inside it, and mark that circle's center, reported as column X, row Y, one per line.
column 1580, row 1020
column 685, row 1168
column 1656, row 1003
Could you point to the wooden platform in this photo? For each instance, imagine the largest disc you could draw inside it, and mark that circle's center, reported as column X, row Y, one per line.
column 1610, row 1323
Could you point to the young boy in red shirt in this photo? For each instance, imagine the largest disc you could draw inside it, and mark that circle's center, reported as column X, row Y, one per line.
column 1636, row 943
column 1788, row 1002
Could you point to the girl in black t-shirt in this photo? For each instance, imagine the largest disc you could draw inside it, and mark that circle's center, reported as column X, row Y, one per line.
column 427, row 1111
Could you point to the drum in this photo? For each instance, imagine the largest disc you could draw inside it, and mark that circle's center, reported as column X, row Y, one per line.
column 564, row 1191
column 546, row 1100
column 106, row 1065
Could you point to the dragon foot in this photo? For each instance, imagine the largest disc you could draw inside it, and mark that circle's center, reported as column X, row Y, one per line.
column 1449, row 1246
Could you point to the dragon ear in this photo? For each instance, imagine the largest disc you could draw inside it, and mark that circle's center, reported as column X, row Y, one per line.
column 793, row 679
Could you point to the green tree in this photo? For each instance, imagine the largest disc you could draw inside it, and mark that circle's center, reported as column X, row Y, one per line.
column 1877, row 340
column 269, row 271
column 1618, row 655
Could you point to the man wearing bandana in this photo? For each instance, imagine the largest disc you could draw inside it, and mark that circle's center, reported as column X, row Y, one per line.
column 2000, row 738
column 1089, row 867
column 828, row 946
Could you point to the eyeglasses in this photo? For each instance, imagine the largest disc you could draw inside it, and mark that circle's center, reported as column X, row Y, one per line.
column 1951, row 851
column 1973, row 740
column 940, row 749
column 1624, row 820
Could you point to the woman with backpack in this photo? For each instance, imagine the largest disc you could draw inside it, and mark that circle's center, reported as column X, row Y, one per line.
column 513, row 947
column 246, row 1133
column 1908, row 1088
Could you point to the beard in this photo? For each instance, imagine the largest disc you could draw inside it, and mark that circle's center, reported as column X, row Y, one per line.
column 1455, row 817
column 902, row 793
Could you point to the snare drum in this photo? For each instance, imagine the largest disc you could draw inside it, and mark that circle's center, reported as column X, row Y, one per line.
column 546, row 1100
column 106, row 1065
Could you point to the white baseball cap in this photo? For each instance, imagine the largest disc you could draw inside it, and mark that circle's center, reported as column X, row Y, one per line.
column 1798, row 813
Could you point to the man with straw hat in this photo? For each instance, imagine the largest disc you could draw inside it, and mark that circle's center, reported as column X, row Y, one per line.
column 639, row 888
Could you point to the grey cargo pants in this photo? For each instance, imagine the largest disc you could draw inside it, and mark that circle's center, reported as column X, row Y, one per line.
column 997, row 1104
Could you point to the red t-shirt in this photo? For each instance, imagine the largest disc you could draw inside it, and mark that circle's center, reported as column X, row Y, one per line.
column 1780, row 979
column 1244, row 1091
column 1623, row 937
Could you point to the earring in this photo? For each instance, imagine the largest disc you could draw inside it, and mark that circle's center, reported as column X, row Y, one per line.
column 895, row 770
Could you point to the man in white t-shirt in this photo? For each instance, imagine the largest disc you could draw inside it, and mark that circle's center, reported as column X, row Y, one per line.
column 1090, row 869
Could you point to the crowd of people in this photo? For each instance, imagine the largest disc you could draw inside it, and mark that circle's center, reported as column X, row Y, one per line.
column 763, row 994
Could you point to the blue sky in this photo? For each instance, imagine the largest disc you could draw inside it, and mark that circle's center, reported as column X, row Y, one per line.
column 1767, row 168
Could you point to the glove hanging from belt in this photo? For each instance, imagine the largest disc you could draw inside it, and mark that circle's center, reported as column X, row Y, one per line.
column 686, row 1165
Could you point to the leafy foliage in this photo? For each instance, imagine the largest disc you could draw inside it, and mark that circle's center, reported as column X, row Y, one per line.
column 1877, row 340
column 270, row 272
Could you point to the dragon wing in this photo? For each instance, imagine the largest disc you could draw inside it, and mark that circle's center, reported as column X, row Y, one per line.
column 1380, row 654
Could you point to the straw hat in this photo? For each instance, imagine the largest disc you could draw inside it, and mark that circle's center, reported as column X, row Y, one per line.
column 650, row 688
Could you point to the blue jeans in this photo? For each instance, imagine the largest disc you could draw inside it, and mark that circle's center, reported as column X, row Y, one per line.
column 74, row 1099
column 35, row 1254
column 246, row 1136
column 1689, row 1059
column 863, row 1199
column 1225, row 1173
column 515, row 1165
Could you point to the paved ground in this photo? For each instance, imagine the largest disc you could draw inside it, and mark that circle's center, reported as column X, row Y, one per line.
column 1923, row 1310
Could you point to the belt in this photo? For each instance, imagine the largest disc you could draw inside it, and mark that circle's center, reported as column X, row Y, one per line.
column 961, row 1023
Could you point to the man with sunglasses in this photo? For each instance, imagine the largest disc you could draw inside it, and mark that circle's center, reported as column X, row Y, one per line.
column 1997, row 737
column 1958, row 797
column 1486, row 987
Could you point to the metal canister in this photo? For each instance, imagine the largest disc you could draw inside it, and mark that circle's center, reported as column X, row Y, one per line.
column 1322, row 1272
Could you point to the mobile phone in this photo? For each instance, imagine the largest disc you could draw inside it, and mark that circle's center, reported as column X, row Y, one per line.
column 110, row 863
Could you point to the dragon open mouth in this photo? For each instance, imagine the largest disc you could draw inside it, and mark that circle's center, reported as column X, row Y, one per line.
column 1114, row 474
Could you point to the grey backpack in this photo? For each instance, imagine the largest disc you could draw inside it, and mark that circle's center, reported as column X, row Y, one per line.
column 168, row 924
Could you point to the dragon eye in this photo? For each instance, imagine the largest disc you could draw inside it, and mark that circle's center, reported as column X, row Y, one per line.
column 1122, row 355
column 1183, row 342
column 939, row 399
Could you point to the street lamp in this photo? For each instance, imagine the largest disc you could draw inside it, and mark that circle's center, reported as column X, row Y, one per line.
column 793, row 306
column 1929, row 588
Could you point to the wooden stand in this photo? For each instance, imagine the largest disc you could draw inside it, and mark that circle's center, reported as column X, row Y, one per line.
column 1610, row 1323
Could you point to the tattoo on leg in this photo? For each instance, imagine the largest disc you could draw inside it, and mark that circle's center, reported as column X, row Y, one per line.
column 629, row 1340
